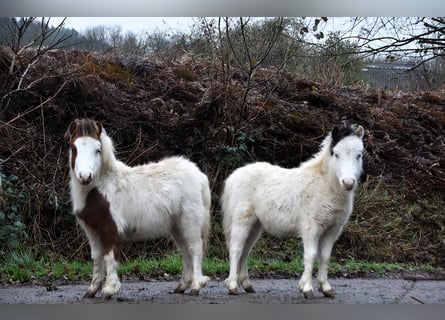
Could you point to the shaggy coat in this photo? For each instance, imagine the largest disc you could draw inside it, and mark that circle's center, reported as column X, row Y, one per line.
column 313, row 201
column 114, row 202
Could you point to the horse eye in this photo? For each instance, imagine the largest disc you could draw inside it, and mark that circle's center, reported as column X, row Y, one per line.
column 336, row 155
column 99, row 150
column 359, row 156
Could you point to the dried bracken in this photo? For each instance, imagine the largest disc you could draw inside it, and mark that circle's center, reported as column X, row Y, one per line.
column 155, row 108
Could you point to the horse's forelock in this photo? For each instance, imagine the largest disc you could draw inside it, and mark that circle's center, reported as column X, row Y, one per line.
column 341, row 132
column 83, row 128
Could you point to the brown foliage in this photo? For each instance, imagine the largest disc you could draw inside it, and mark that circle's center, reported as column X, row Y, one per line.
column 154, row 109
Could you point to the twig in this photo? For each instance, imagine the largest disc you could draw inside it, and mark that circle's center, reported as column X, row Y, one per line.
column 21, row 115
column 2, row 161
column 417, row 299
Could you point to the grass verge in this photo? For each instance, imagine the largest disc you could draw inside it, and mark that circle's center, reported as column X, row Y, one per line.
column 23, row 267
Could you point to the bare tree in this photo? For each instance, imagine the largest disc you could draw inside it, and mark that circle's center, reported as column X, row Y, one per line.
column 25, row 46
column 416, row 38
column 251, row 50
column 96, row 38
column 115, row 36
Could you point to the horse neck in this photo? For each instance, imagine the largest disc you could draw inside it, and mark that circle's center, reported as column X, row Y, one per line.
column 78, row 192
column 320, row 164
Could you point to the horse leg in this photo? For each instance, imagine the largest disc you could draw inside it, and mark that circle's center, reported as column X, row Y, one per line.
column 112, row 283
column 199, row 280
column 238, row 235
column 186, row 277
column 324, row 254
column 98, row 265
column 310, row 245
column 243, row 277
column 98, row 275
column 193, row 235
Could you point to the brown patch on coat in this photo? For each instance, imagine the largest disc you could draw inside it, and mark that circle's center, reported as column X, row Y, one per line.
column 97, row 217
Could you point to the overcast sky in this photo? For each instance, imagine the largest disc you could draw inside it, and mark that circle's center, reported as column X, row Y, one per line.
column 133, row 24
column 174, row 25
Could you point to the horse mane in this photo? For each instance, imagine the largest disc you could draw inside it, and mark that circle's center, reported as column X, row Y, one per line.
column 108, row 157
column 318, row 161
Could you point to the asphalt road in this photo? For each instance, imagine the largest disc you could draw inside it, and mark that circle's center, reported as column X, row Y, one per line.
column 270, row 291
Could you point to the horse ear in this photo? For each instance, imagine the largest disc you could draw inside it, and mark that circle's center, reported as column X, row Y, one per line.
column 335, row 133
column 99, row 127
column 71, row 129
column 359, row 132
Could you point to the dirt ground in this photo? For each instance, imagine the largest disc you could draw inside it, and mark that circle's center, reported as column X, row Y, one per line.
column 269, row 291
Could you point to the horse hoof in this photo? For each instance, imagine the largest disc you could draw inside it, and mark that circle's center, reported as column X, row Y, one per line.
column 309, row 295
column 194, row 292
column 250, row 289
column 106, row 296
column 329, row 294
column 233, row 291
column 179, row 290
column 89, row 295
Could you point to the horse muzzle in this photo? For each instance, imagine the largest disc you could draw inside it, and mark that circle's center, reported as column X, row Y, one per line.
column 348, row 184
column 85, row 178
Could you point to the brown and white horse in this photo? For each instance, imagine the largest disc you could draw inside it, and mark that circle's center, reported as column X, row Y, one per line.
column 114, row 202
column 313, row 201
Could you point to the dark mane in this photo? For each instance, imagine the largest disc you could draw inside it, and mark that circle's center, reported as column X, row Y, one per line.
column 340, row 132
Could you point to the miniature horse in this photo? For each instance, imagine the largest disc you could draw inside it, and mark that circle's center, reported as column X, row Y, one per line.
column 313, row 201
column 114, row 202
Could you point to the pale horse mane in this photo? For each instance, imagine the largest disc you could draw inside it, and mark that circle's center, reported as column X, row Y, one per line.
column 109, row 160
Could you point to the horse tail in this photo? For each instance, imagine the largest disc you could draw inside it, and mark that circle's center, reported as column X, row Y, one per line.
column 207, row 202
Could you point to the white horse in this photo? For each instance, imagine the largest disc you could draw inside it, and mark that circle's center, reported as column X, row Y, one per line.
column 114, row 202
column 313, row 201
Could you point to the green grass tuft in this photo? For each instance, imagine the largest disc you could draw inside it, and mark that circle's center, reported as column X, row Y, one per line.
column 23, row 267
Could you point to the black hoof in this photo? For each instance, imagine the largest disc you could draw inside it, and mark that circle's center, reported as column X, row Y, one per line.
column 250, row 290
column 329, row 294
column 179, row 290
column 89, row 295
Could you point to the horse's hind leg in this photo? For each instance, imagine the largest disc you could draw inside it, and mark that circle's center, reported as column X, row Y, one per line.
column 187, row 234
column 195, row 246
column 199, row 280
column 186, row 278
column 243, row 277
column 239, row 233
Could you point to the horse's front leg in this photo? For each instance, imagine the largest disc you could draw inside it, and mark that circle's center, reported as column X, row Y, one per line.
column 112, row 283
column 98, row 276
column 98, row 265
column 310, row 254
column 324, row 254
